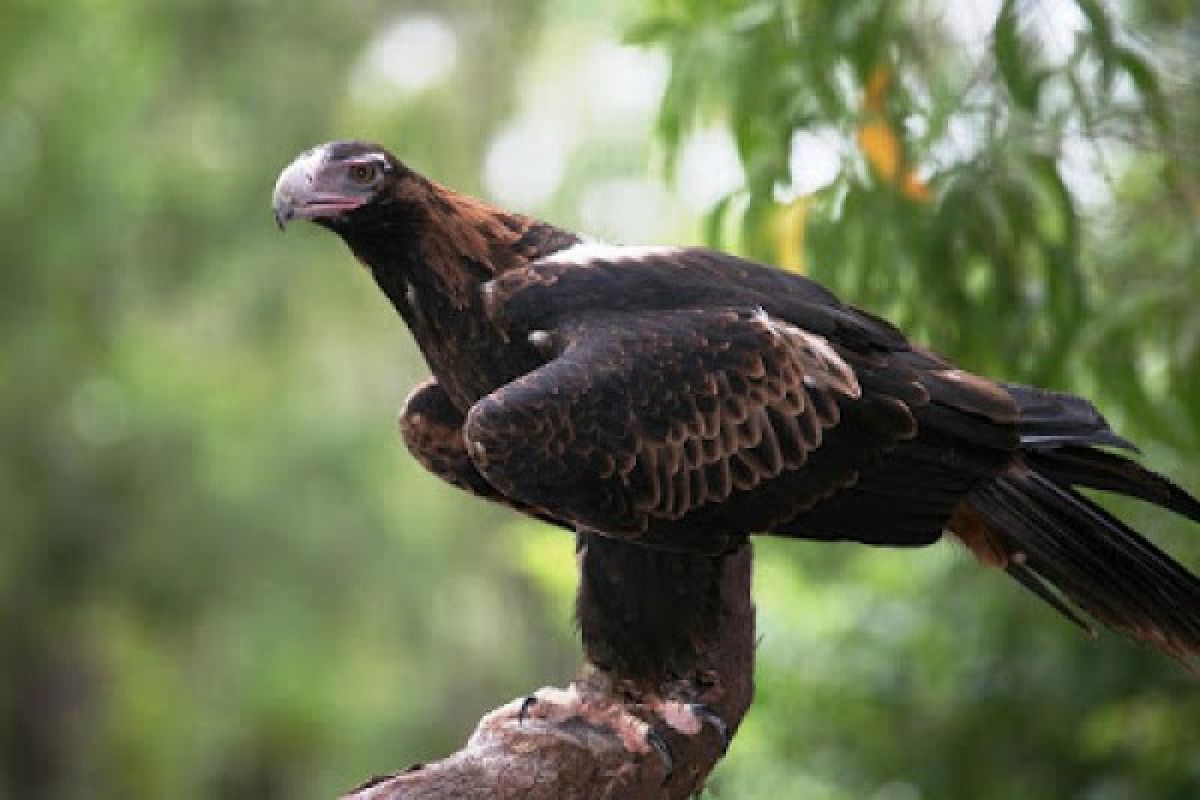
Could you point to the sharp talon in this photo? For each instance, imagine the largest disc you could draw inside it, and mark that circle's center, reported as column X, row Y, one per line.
column 526, row 704
column 706, row 714
column 657, row 741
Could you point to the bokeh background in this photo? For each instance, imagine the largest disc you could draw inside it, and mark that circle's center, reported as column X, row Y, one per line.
column 222, row 576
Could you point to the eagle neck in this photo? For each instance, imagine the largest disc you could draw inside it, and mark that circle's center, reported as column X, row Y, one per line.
column 430, row 252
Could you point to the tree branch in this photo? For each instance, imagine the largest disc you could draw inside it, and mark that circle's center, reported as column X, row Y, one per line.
column 669, row 659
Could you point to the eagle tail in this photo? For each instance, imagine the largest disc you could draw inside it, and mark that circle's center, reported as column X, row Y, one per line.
column 1032, row 522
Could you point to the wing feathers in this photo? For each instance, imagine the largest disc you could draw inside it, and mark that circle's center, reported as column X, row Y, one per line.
column 765, row 408
column 735, row 419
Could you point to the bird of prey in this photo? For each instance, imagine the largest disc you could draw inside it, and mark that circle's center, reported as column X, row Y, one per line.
column 682, row 398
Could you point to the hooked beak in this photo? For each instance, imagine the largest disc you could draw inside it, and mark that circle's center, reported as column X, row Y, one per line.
column 298, row 193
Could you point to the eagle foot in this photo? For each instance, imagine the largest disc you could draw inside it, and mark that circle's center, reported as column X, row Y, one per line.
column 600, row 711
column 526, row 703
column 706, row 714
column 663, row 748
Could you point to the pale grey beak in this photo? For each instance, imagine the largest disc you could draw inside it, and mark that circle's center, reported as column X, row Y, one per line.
column 294, row 184
column 282, row 215
column 298, row 191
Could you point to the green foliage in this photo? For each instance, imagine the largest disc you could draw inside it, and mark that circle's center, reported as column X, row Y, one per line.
column 220, row 575
column 953, row 181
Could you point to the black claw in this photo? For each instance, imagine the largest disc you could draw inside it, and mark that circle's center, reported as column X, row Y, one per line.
column 526, row 704
column 657, row 741
column 706, row 714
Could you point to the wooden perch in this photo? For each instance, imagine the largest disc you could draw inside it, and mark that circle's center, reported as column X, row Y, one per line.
column 668, row 675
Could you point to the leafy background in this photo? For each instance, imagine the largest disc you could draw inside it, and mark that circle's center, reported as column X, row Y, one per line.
column 220, row 574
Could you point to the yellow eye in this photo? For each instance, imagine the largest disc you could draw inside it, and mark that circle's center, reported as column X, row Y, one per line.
column 361, row 173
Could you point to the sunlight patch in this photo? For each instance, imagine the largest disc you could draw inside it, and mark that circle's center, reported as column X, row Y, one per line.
column 414, row 53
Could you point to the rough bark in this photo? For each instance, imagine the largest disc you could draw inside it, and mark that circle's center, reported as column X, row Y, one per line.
column 604, row 736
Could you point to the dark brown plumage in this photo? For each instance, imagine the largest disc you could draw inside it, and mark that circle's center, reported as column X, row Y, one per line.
column 681, row 398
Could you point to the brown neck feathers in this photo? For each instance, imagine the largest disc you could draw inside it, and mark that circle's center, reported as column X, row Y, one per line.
column 425, row 235
column 465, row 240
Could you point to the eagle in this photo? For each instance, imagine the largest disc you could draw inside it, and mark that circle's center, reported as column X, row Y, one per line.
column 681, row 399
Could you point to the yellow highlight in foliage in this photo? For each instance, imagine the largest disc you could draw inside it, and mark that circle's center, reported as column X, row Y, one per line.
column 788, row 224
column 877, row 86
column 915, row 188
column 881, row 148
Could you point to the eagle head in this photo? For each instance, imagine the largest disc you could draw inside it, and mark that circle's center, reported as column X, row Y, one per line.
column 329, row 183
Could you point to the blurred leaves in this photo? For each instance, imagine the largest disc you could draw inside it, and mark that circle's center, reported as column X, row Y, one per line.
column 954, row 200
column 219, row 573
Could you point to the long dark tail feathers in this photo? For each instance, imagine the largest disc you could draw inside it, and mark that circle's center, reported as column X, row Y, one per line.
column 1032, row 522
column 1097, row 469
column 1053, row 419
column 1068, row 550
column 1074, row 554
column 1031, row 580
column 1060, row 433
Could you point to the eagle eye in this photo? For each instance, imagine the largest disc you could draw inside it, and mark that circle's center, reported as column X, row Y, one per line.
column 362, row 174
